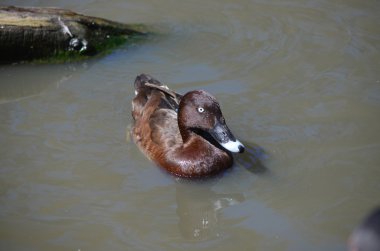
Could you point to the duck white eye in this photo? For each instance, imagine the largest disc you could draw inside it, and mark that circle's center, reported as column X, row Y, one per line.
column 200, row 109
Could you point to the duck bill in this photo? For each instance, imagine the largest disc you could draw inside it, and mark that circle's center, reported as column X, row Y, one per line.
column 222, row 134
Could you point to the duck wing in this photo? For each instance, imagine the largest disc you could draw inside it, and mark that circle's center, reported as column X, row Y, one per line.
column 154, row 110
column 164, row 129
column 171, row 99
column 145, row 88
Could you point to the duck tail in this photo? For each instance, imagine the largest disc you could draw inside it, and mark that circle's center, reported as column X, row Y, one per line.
column 143, row 79
column 144, row 84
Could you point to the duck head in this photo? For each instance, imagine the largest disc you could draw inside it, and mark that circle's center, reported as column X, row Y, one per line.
column 200, row 113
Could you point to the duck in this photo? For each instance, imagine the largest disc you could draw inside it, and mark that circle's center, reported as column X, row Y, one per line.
column 186, row 135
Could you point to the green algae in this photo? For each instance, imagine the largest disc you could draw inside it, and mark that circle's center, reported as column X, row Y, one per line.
column 96, row 47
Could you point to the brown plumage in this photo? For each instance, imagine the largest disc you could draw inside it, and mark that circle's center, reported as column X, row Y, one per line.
column 182, row 134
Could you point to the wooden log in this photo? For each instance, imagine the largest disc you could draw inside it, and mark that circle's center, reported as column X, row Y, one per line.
column 58, row 35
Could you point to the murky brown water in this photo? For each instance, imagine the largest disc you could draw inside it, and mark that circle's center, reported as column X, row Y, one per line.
column 299, row 78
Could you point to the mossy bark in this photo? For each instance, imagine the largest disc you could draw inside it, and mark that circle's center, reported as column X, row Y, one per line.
column 58, row 35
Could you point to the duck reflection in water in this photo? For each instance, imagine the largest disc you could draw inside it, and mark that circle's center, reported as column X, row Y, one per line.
column 198, row 209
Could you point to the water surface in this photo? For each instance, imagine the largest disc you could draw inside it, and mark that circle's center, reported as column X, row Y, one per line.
column 298, row 82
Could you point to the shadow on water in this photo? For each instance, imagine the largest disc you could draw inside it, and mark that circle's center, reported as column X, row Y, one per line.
column 253, row 159
column 198, row 209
